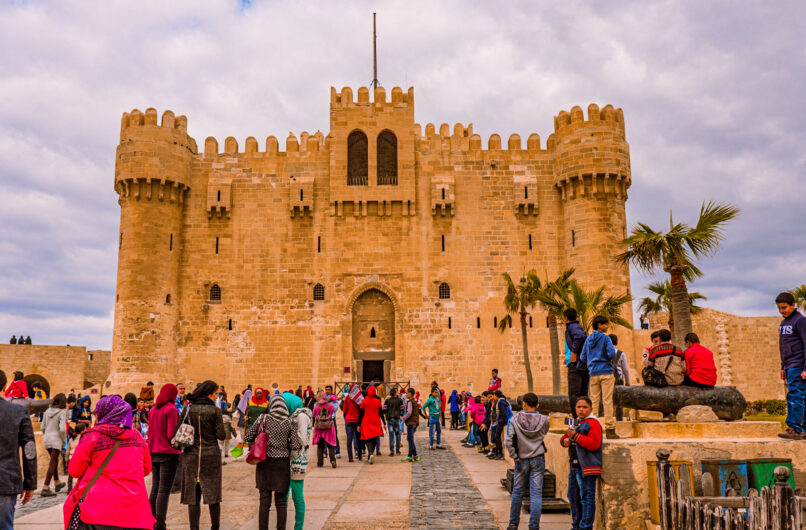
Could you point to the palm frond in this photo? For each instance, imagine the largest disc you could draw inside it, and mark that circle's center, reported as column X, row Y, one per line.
column 505, row 323
column 704, row 239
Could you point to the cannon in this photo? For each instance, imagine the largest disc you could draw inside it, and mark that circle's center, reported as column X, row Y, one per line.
column 34, row 406
column 726, row 401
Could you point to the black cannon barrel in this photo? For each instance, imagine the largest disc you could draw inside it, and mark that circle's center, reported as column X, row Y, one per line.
column 34, row 406
column 726, row 401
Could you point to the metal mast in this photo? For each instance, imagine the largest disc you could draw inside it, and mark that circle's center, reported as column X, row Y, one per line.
column 375, row 82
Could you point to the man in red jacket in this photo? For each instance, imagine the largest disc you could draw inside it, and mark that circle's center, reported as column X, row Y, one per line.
column 700, row 367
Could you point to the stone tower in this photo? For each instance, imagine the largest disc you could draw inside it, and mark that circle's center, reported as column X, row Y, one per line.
column 592, row 175
column 152, row 176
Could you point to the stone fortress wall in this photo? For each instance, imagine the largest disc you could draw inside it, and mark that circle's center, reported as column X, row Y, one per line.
column 60, row 368
column 379, row 232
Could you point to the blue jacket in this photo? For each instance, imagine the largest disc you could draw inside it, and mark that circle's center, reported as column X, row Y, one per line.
column 454, row 401
column 587, row 439
column 574, row 339
column 792, row 341
column 598, row 353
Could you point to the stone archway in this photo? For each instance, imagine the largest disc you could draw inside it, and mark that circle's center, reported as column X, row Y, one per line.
column 373, row 333
column 30, row 379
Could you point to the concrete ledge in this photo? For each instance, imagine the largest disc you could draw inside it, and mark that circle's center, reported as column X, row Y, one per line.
column 698, row 431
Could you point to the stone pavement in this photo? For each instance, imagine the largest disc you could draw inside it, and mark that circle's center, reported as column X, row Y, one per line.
column 447, row 489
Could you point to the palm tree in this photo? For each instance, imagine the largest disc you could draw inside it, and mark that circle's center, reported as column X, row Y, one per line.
column 676, row 251
column 554, row 308
column 663, row 301
column 588, row 304
column 800, row 296
column 519, row 299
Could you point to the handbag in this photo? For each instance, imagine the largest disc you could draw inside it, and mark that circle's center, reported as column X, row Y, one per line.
column 257, row 451
column 75, row 518
column 183, row 438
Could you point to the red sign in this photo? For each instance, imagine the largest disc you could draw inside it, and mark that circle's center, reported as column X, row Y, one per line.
column 346, row 369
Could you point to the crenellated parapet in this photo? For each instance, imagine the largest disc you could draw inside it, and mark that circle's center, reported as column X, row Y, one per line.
column 398, row 98
column 463, row 140
column 305, row 146
column 591, row 156
column 153, row 158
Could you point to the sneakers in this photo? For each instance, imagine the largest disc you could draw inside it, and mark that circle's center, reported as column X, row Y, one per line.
column 333, row 464
column 369, row 459
column 416, row 458
column 47, row 493
column 338, row 455
column 59, row 486
column 391, row 453
column 439, row 446
column 407, row 459
column 431, row 447
column 788, row 434
column 351, row 460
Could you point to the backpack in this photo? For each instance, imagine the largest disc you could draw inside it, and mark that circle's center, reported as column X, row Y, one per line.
column 324, row 420
column 616, row 359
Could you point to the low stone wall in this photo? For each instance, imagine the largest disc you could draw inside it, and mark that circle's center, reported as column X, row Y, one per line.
column 623, row 498
column 61, row 366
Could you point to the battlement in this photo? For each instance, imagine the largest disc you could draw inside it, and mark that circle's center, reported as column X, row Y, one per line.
column 307, row 143
column 566, row 122
column 463, row 139
column 345, row 97
column 177, row 125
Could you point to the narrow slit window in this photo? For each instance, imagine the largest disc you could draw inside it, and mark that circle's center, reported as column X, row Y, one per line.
column 216, row 245
column 318, row 292
column 318, row 243
column 230, row 324
column 573, row 238
column 219, row 196
column 449, row 322
column 167, row 298
column 215, row 292
column 530, row 322
column 495, row 322
column 525, row 192
column 530, row 241
column 372, row 333
column 443, row 242
column 171, row 242
column 301, row 195
column 443, row 194
column 478, row 322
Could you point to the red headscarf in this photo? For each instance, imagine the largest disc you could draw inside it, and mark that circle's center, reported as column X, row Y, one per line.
column 254, row 399
column 372, row 391
column 167, row 395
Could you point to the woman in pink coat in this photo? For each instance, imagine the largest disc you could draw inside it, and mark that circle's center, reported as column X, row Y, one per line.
column 119, row 497
column 324, row 429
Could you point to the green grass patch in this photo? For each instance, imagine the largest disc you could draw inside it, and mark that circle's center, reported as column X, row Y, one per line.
column 766, row 417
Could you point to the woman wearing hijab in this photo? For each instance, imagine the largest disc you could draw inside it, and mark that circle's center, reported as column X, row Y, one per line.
column 162, row 421
column 201, row 462
column 455, row 407
column 371, row 426
column 302, row 421
column 118, row 498
column 324, row 429
column 258, row 404
column 54, row 427
column 273, row 475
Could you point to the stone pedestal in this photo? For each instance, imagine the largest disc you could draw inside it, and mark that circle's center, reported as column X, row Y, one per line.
column 623, row 500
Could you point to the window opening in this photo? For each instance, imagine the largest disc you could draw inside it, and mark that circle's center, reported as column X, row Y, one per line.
column 230, row 324
column 216, row 245
column 444, row 291
column 449, row 322
column 573, row 238
column 495, row 322
column 387, row 159
column 357, row 161
column 318, row 292
column 530, row 241
column 478, row 322
column 525, row 192
column 89, row 357
column 318, row 243
column 301, row 195
column 167, row 298
column 530, row 321
column 372, row 333
column 215, row 292
column 171, row 242
column 443, row 194
column 443, row 242
column 219, row 195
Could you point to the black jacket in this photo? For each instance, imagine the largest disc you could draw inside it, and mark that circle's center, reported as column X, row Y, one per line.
column 16, row 433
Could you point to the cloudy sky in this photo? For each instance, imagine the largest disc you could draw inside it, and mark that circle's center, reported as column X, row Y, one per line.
column 712, row 94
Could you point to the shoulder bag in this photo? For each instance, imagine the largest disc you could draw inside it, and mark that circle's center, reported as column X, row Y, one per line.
column 183, row 438
column 75, row 518
column 257, row 451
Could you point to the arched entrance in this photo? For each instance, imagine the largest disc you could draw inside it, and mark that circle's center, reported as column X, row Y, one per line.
column 33, row 378
column 373, row 336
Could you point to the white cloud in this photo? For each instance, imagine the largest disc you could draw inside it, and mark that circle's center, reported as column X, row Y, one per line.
column 711, row 96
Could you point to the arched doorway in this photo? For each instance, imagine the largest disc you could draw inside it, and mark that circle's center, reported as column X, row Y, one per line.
column 31, row 379
column 373, row 336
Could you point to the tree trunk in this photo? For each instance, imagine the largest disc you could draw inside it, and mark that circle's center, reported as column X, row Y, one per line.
column 681, row 310
column 529, row 382
column 555, row 354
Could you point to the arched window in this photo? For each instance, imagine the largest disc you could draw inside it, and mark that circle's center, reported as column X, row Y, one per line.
column 357, row 161
column 318, row 292
column 215, row 292
column 444, row 291
column 167, row 298
column 387, row 159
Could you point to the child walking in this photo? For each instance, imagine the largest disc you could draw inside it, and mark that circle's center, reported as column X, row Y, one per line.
column 411, row 419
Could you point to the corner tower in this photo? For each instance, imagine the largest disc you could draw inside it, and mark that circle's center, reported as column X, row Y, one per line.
column 152, row 176
column 592, row 175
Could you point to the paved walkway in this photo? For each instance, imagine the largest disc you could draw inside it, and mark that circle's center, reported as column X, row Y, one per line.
column 447, row 489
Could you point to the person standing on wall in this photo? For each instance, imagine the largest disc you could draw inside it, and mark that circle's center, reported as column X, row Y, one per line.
column 700, row 366
column 495, row 381
column 17, row 434
column 201, row 462
column 621, row 370
column 577, row 371
column 598, row 353
column 792, row 345
column 162, row 421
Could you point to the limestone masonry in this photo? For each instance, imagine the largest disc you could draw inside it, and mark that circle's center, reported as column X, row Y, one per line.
column 374, row 251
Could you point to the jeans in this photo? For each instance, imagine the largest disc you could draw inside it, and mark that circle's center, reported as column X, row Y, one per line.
column 321, row 445
column 280, row 505
column 394, row 435
column 601, row 390
column 410, row 439
column 53, row 467
column 574, row 498
column 531, row 470
column 471, row 434
column 795, row 399
column 587, row 493
column 163, row 469
column 577, row 386
column 297, row 493
column 8, row 504
column 353, row 440
column 433, row 425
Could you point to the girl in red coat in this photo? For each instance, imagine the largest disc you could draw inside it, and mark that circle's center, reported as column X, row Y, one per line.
column 371, row 426
column 17, row 389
